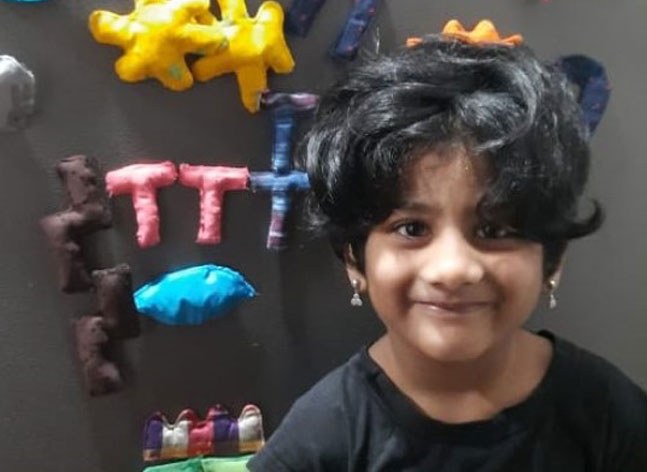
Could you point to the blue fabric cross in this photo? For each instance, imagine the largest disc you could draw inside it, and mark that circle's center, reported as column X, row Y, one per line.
column 282, row 180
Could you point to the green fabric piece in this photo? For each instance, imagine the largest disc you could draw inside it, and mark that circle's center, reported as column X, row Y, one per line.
column 191, row 465
column 211, row 464
column 226, row 464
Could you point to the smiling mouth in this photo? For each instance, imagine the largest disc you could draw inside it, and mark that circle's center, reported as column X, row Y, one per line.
column 454, row 309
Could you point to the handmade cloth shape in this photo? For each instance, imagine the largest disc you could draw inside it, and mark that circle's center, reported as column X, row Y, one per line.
column 93, row 349
column 594, row 88
column 301, row 14
column 142, row 182
column 87, row 212
column 219, row 434
column 254, row 45
column 483, row 32
column 213, row 182
column 281, row 187
column 84, row 189
column 116, row 304
column 284, row 108
column 193, row 295
column 282, row 180
column 155, row 38
column 65, row 231
column 17, row 94
column 358, row 20
column 211, row 464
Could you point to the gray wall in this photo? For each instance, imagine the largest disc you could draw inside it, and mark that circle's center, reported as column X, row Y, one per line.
column 272, row 348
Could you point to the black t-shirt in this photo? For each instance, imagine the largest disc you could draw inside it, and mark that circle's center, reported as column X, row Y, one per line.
column 584, row 416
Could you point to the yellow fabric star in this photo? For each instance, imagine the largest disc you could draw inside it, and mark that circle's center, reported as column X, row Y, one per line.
column 254, row 45
column 155, row 38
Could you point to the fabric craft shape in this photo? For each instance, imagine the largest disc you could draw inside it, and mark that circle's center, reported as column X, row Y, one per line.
column 93, row 349
column 116, row 318
column 282, row 180
column 17, row 94
column 87, row 212
column 219, row 434
column 158, row 33
column 213, row 182
column 483, row 33
column 301, row 14
column 155, row 37
column 141, row 181
column 254, row 44
column 96, row 335
column 594, row 88
column 211, row 464
column 116, row 303
column 358, row 20
column 193, row 295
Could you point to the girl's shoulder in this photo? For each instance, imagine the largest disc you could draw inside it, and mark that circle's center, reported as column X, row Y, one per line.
column 579, row 370
column 316, row 432
column 594, row 392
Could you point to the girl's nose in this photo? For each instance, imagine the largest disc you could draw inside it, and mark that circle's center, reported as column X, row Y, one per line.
column 450, row 262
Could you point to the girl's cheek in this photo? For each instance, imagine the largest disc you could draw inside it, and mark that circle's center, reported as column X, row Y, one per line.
column 520, row 270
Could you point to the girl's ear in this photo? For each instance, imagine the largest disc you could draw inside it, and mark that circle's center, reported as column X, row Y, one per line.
column 557, row 275
column 352, row 270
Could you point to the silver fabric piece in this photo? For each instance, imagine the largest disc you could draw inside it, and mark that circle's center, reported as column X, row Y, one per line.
column 17, row 94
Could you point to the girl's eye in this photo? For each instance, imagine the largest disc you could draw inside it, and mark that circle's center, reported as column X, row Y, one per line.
column 493, row 231
column 412, row 229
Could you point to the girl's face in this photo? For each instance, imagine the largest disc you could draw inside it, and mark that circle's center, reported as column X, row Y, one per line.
column 443, row 282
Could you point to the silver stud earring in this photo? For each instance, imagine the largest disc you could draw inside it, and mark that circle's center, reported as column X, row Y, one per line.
column 552, row 300
column 355, row 300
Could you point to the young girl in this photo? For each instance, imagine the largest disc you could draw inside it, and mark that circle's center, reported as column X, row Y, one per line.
column 448, row 178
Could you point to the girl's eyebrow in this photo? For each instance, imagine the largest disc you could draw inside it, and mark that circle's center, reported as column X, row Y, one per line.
column 417, row 207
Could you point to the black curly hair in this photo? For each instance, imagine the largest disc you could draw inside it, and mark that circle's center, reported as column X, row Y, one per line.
column 497, row 101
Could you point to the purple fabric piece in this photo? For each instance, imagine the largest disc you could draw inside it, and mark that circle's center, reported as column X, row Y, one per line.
column 153, row 433
column 301, row 14
column 358, row 20
column 595, row 90
column 225, row 427
column 225, row 433
column 276, row 235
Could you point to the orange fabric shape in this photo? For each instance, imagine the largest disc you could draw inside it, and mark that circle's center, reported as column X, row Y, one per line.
column 483, row 32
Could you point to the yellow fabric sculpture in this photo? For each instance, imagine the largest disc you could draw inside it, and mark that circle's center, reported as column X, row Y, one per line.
column 155, row 38
column 158, row 33
column 254, row 44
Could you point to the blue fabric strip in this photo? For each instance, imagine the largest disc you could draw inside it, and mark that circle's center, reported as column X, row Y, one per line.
column 358, row 20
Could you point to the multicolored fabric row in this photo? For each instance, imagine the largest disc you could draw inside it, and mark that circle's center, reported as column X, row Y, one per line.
column 219, row 434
